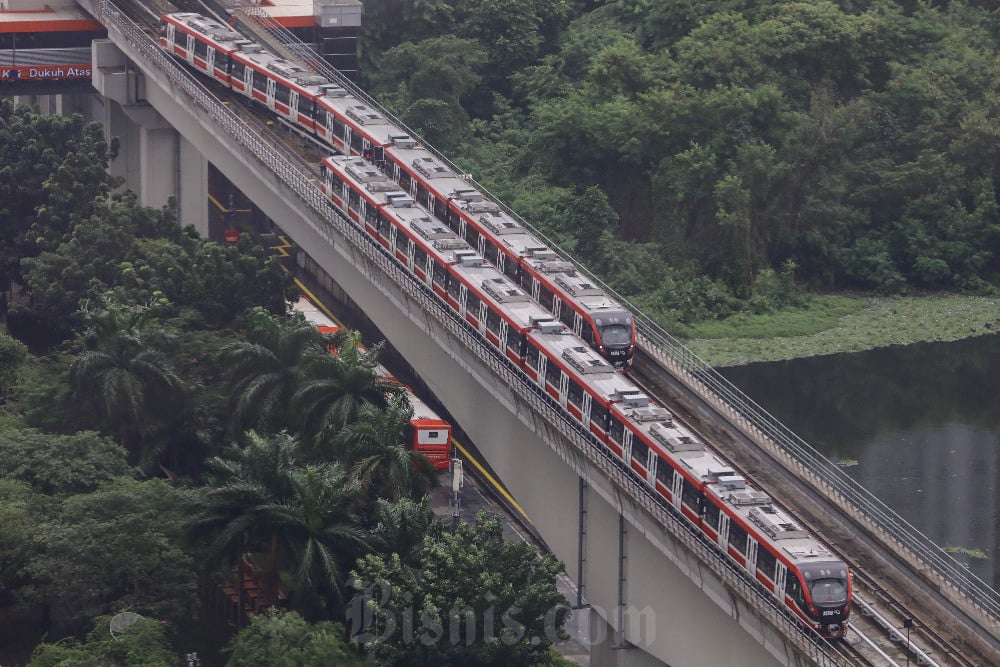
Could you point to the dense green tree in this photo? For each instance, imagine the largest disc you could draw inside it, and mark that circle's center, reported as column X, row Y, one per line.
column 61, row 464
column 13, row 354
column 285, row 639
column 378, row 457
column 141, row 644
column 115, row 548
column 473, row 600
column 54, row 162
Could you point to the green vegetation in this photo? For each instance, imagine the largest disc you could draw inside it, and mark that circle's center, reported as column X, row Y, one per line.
column 842, row 324
column 690, row 154
column 965, row 551
column 138, row 357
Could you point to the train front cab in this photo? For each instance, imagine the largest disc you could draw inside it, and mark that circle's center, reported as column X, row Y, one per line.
column 822, row 591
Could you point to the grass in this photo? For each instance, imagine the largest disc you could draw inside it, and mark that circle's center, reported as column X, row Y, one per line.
column 978, row 554
column 832, row 324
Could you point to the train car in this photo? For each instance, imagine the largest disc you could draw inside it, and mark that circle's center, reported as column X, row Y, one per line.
column 437, row 256
column 204, row 43
column 354, row 127
column 479, row 263
column 427, row 433
column 551, row 280
column 762, row 538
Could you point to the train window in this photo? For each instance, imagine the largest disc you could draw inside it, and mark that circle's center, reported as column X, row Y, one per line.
column 599, row 415
column 553, row 373
column 794, row 589
column 664, row 473
column 587, row 333
column 338, row 126
column 640, row 452
column 357, row 142
column 282, row 94
column 384, row 226
column 712, row 513
column 405, row 181
column 512, row 269
column 238, row 70
column 766, row 562
column 527, row 280
column 492, row 254
column 531, row 357
column 455, row 288
column 200, row 49
column 421, row 195
column 691, row 496
column 372, row 215
column 440, row 275
column 566, row 314
column 737, row 537
column 472, row 304
column 441, row 211
column 575, row 393
column 222, row 61
column 259, row 82
column 403, row 244
column 419, row 258
column 545, row 297
column 616, row 431
column 515, row 342
column 353, row 199
column 472, row 236
column 492, row 321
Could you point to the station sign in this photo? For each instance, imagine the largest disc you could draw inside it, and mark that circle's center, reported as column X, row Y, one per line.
column 41, row 72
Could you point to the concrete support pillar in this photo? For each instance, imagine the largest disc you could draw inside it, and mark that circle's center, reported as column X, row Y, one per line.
column 158, row 166
column 606, row 651
column 192, row 191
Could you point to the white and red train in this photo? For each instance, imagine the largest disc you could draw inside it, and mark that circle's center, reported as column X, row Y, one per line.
column 474, row 275
column 427, row 433
column 352, row 127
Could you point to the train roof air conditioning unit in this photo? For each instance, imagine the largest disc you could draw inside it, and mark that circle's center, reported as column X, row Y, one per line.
column 546, row 325
column 503, row 291
column 653, row 413
column 399, row 200
column 402, row 140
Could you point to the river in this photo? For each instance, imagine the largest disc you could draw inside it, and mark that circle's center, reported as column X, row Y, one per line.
column 917, row 425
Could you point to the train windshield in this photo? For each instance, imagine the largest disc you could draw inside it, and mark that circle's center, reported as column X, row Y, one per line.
column 828, row 590
column 616, row 335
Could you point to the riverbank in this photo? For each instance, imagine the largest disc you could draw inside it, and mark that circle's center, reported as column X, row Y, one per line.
column 833, row 324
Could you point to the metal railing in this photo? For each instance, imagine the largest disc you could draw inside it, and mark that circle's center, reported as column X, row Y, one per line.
column 574, row 443
column 740, row 408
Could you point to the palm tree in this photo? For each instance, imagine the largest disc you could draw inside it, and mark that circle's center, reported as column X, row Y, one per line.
column 400, row 527
column 261, row 500
column 264, row 368
column 380, row 463
column 318, row 529
column 335, row 388
column 132, row 385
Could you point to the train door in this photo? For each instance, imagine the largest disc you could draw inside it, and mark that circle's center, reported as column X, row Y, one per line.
column 463, row 295
column 751, row 555
column 293, row 105
column 542, row 368
column 347, row 139
column 248, row 82
column 585, row 409
column 779, row 581
column 578, row 324
column 627, row 446
column 723, row 531
column 536, row 290
column 210, row 61
column 563, row 387
column 171, row 35
column 190, row 49
column 481, row 317
column 503, row 336
column 270, row 93
column 677, row 488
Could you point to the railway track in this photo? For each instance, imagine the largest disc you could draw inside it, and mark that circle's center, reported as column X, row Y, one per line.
column 884, row 606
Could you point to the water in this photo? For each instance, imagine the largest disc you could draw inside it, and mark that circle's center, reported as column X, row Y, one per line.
column 918, row 426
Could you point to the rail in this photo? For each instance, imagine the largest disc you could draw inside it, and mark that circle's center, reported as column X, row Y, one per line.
column 770, row 432
column 575, row 440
